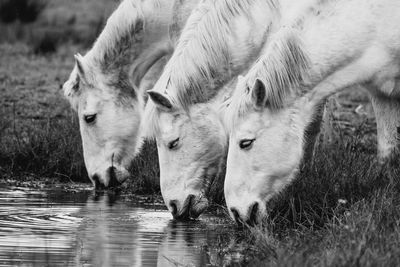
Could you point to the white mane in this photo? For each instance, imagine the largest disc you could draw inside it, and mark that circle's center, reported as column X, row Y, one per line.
column 201, row 53
column 283, row 68
column 115, row 51
column 123, row 29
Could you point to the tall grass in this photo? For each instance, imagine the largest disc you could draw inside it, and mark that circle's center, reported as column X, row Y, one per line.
column 48, row 148
column 145, row 170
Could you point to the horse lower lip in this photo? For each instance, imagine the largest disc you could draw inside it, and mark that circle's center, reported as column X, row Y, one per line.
column 194, row 214
column 198, row 208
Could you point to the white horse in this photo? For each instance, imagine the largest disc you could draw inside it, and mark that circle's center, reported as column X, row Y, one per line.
column 335, row 45
column 104, row 85
column 214, row 47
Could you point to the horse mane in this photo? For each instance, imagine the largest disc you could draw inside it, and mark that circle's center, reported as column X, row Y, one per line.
column 203, row 47
column 282, row 69
column 150, row 124
column 122, row 30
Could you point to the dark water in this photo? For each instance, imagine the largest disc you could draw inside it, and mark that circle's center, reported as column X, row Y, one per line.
column 58, row 228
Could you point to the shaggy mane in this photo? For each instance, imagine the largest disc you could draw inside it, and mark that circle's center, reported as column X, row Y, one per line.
column 150, row 125
column 282, row 68
column 202, row 49
column 122, row 31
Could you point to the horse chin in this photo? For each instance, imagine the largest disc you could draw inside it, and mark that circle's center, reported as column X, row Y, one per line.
column 193, row 207
column 199, row 205
column 119, row 176
column 271, row 198
column 199, row 202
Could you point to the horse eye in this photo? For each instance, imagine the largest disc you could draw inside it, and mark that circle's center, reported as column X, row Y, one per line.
column 246, row 143
column 173, row 144
column 89, row 118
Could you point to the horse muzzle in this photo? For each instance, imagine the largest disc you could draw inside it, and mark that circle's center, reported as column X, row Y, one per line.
column 191, row 208
column 112, row 178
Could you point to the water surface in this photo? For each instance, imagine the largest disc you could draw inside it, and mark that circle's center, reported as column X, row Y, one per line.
column 80, row 228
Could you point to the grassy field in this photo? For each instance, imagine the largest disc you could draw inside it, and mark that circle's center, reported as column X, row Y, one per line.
column 343, row 210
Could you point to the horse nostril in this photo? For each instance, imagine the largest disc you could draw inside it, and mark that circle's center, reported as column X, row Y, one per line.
column 236, row 216
column 113, row 177
column 253, row 214
column 174, row 208
column 96, row 180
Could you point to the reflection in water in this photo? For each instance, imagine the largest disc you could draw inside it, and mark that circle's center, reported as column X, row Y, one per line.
column 74, row 229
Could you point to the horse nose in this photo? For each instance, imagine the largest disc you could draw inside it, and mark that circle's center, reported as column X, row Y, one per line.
column 252, row 218
column 97, row 184
column 113, row 181
column 236, row 216
column 181, row 211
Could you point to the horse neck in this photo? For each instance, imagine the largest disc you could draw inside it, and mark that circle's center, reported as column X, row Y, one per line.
column 219, row 42
column 134, row 38
column 325, row 41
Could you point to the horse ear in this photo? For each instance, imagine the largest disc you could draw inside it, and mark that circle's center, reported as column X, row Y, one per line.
column 161, row 100
column 80, row 65
column 71, row 87
column 259, row 94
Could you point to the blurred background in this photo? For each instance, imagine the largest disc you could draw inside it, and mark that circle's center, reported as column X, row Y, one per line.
column 47, row 25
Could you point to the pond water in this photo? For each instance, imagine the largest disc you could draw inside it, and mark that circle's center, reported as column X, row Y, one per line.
column 80, row 228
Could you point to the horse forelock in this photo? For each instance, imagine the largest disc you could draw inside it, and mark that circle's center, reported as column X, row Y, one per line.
column 121, row 84
column 283, row 69
column 203, row 49
column 150, row 125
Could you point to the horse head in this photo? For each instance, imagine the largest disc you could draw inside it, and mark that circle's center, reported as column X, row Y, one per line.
column 192, row 149
column 109, row 120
